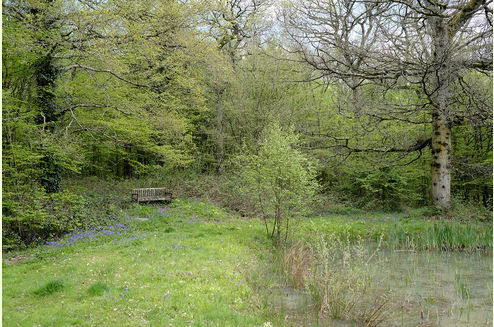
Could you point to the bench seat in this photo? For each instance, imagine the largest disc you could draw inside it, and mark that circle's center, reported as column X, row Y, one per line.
column 151, row 194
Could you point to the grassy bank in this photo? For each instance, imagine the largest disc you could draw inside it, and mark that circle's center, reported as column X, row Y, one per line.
column 188, row 264
column 464, row 228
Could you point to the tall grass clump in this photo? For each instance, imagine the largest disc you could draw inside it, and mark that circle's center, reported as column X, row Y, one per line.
column 97, row 289
column 50, row 287
column 336, row 273
column 297, row 260
column 461, row 286
column 442, row 235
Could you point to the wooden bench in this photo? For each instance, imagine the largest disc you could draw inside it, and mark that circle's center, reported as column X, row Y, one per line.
column 151, row 194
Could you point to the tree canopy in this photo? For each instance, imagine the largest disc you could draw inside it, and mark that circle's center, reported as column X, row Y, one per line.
column 390, row 100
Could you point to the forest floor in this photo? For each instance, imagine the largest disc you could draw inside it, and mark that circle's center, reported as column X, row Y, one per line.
column 190, row 263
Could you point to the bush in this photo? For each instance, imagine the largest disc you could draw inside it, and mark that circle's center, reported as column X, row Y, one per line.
column 384, row 188
column 24, row 218
column 34, row 216
column 278, row 180
column 469, row 211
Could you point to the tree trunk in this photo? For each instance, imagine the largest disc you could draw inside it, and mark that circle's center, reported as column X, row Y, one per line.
column 441, row 125
column 46, row 73
column 441, row 174
column 277, row 219
column 126, row 164
column 220, row 149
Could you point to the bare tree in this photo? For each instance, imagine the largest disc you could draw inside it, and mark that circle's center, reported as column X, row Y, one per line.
column 424, row 46
column 232, row 23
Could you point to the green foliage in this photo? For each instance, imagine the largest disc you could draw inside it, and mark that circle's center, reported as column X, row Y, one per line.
column 278, row 180
column 261, row 92
column 353, row 148
column 472, row 164
column 34, row 216
column 136, row 121
column 120, row 104
column 29, row 157
column 139, row 89
column 469, row 210
column 384, row 188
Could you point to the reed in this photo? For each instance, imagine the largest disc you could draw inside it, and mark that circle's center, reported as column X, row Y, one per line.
column 336, row 274
column 402, row 232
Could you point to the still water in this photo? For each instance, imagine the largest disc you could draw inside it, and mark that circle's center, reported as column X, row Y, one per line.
column 436, row 289
column 422, row 288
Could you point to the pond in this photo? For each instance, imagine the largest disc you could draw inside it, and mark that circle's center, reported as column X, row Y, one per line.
column 435, row 289
column 422, row 289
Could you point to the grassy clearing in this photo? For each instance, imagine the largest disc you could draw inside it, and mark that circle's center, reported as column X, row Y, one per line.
column 183, row 265
column 192, row 263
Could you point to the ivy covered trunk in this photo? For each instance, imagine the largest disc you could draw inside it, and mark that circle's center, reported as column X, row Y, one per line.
column 46, row 74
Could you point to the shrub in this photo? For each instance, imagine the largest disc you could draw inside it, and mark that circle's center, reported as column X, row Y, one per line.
column 384, row 188
column 278, row 180
column 37, row 216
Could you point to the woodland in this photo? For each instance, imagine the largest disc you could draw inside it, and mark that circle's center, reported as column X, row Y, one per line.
column 390, row 103
column 329, row 162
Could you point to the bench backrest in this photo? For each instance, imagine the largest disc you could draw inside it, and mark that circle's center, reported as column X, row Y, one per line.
column 151, row 194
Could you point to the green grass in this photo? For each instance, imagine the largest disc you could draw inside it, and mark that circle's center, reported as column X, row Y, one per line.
column 49, row 288
column 97, row 289
column 401, row 231
column 189, row 266
column 188, row 263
